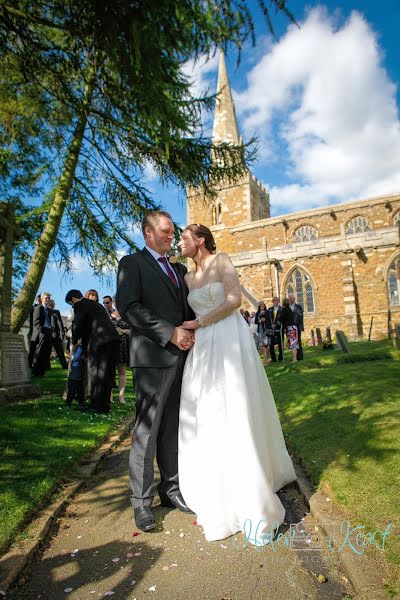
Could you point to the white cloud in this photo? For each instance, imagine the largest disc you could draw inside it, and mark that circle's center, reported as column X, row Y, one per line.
column 325, row 112
column 79, row 263
column 198, row 72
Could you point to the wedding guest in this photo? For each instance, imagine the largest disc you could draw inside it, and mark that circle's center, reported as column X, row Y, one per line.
column 32, row 344
column 108, row 305
column 290, row 329
column 276, row 339
column 92, row 295
column 76, row 375
column 264, row 323
column 123, row 329
column 42, row 335
column 298, row 315
column 57, row 334
column 101, row 343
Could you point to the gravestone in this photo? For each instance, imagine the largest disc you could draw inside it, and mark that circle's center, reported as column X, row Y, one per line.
column 328, row 336
column 342, row 341
column 14, row 369
column 319, row 336
column 313, row 337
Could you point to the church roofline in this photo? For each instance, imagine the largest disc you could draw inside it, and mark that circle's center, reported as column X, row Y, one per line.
column 295, row 216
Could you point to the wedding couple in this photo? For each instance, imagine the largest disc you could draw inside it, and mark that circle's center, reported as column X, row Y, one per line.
column 204, row 406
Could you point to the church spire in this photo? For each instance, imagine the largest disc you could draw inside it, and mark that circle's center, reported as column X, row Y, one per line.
column 225, row 127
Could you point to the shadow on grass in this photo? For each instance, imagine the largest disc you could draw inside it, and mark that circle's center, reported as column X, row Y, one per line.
column 327, row 411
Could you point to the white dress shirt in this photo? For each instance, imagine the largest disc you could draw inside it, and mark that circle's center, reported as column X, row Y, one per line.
column 156, row 255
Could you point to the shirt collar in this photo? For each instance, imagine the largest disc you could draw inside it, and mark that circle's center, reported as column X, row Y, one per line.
column 154, row 253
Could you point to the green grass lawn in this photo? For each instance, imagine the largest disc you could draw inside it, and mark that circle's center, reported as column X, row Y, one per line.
column 41, row 443
column 340, row 415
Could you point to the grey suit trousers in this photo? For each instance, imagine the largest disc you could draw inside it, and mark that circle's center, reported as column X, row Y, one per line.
column 155, row 431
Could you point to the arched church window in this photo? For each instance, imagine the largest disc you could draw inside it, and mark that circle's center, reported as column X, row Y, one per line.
column 358, row 225
column 219, row 213
column 214, row 215
column 305, row 233
column 394, row 281
column 300, row 284
column 396, row 218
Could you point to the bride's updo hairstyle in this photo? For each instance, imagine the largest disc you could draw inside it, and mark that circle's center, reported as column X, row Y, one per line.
column 203, row 231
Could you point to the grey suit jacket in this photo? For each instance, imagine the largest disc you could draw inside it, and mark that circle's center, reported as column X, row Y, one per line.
column 148, row 301
column 38, row 321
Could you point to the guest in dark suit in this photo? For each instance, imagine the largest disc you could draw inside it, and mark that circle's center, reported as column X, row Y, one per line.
column 290, row 328
column 275, row 311
column 298, row 314
column 58, row 334
column 91, row 324
column 32, row 344
column 151, row 297
column 42, row 335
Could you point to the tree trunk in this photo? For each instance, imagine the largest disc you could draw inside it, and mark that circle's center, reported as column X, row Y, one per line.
column 47, row 239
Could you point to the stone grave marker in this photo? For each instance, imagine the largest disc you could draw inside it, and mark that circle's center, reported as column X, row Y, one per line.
column 14, row 369
column 342, row 341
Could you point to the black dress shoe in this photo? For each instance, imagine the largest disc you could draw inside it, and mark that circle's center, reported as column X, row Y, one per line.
column 144, row 518
column 177, row 502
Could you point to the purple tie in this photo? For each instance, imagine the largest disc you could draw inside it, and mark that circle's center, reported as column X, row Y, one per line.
column 170, row 272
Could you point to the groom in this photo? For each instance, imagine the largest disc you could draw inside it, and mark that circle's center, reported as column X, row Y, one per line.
column 151, row 297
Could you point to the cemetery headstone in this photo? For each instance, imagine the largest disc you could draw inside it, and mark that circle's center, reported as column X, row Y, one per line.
column 14, row 369
column 319, row 336
column 342, row 341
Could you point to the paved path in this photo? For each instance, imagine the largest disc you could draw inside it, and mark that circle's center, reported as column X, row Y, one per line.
column 94, row 554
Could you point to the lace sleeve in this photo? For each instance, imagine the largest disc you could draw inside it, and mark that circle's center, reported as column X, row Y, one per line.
column 232, row 295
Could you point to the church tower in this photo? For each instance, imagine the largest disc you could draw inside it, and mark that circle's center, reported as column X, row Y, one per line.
column 237, row 204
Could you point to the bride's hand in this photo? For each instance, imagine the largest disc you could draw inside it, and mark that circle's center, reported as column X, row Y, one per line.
column 191, row 324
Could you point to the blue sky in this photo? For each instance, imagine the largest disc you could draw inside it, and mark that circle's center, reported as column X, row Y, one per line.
column 323, row 101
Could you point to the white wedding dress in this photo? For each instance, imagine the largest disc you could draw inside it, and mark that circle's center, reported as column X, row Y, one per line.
column 232, row 455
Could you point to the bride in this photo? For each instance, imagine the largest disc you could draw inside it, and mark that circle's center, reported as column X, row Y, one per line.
column 232, row 455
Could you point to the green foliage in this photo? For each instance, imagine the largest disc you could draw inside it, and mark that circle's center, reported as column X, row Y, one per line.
column 41, row 443
column 121, row 64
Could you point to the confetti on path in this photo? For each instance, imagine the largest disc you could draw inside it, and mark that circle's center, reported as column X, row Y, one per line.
column 68, row 590
column 109, row 593
column 152, row 588
column 115, row 560
column 166, row 568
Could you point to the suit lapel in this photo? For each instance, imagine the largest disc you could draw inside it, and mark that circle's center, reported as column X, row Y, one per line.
column 153, row 263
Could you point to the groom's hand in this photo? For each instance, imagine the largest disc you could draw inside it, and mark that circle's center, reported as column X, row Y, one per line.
column 181, row 338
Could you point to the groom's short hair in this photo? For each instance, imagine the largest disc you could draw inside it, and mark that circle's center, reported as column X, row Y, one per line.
column 151, row 218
